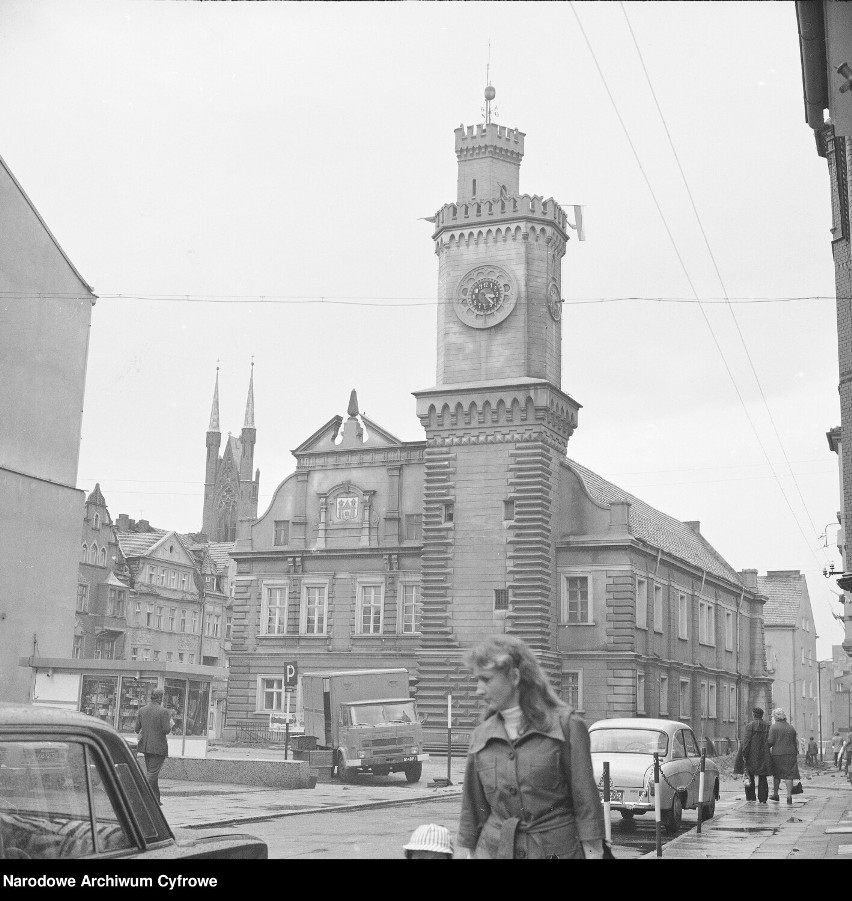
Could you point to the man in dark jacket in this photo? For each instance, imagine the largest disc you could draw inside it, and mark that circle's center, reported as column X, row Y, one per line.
column 756, row 759
column 153, row 725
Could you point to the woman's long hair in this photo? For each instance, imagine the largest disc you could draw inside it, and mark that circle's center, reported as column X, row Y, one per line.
column 537, row 698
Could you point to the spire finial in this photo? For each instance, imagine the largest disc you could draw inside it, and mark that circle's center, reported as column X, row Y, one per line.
column 353, row 404
column 490, row 93
column 214, row 412
column 249, row 423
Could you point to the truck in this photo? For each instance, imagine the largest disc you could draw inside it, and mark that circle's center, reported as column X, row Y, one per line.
column 367, row 719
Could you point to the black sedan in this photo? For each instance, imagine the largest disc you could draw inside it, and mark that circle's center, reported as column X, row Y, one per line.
column 71, row 788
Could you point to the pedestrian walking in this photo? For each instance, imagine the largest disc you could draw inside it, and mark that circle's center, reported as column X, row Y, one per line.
column 429, row 842
column 836, row 745
column 529, row 787
column 153, row 723
column 846, row 753
column 812, row 753
column 757, row 761
column 783, row 745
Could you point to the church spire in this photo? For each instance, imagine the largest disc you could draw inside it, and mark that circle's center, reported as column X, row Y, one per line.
column 214, row 412
column 249, row 423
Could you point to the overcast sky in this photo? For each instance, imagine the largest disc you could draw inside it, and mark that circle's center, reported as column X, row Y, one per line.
column 253, row 153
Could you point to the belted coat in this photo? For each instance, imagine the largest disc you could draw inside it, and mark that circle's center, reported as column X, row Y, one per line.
column 534, row 797
column 755, row 749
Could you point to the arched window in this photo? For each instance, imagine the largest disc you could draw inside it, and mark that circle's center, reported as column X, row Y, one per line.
column 93, row 553
column 97, row 521
column 85, row 554
column 102, row 557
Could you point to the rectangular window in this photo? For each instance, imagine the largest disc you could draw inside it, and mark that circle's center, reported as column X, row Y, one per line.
column 407, row 616
column 158, row 624
column 370, row 613
column 449, row 512
column 314, row 609
column 172, row 578
column 413, row 527
column 121, row 600
column 664, row 694
column 501, row 598
column 642, row 603
column 282, row 531
column 703, row 700
column 156, row 655
column 270, row 694
column 137, row 613
column 152, row 571
column 572, row 683
column 732, row 694
column 192, row 658
column 146, row 654
column 683, row 701
column 161, row 577
column 183, row 620
column 169, row 656
column 508, row 510
column 134, row 653
column 658, row 608
column 180, row 657
column 111, row 602
column 576, row 607
column 682, row 616
column 803, row 656
column 149, row 616
column 172, row 612
column 729, row 630
column 184, row 581
column 82, row 597
column 194, row 629
column 229, row 621
column 77, row 649
column 706, row 623
column 273, row 614
column 711, row 702
column 640, row 692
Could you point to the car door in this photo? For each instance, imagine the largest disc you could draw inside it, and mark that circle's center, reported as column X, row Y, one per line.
column 677, row 769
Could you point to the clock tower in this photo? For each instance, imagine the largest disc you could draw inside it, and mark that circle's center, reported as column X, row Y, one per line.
column 497, row 421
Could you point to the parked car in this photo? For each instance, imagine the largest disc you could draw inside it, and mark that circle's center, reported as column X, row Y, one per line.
column 629, row 746
column 70, row 787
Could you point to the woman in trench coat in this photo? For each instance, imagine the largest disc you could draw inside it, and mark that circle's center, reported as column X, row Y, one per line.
column 784, row 746
column 529, row 787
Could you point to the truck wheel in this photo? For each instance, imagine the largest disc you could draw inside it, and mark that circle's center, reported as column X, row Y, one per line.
column 345, row 773
column 413, row 771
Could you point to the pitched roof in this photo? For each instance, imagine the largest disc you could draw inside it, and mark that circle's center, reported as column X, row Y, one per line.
column 785, row 592
column 136, row 544
column 220, row 553
column 658, row 529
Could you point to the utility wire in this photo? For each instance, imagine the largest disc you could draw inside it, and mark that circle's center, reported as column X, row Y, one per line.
column 686, row 274
column 715, row 264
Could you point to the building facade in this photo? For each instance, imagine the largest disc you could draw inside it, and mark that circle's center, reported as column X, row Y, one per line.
column 791, row 648
column 825, row 42
column 44, row 339
column 378, row 552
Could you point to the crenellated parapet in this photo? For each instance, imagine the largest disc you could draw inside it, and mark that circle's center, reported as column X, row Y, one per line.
column 528, row 207
column 473, row 140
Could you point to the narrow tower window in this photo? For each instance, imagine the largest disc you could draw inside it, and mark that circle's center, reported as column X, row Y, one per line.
column 508, row 510
column 501, row 598
column 474, row 189
column 448, row 512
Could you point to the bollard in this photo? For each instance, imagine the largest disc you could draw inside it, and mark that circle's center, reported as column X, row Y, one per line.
column 606, row 804
column 701, row 789
column 658, row 814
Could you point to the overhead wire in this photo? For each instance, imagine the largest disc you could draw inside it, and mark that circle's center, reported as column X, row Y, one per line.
column 715, row 264
column 686, row 274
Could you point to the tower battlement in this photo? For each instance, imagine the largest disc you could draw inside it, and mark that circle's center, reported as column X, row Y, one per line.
column 478, row 139
column 471, row 212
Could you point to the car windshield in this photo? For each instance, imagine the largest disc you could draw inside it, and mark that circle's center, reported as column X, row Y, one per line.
column 383, row 714
column 629, row 741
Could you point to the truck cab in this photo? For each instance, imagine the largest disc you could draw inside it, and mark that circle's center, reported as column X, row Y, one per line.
column 366, row 720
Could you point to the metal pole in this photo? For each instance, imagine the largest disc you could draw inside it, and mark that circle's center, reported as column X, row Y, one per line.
column 658, row 814
column 606, row 803
column 819, row 707
column 449, row 736
column 701, row 788
column 286, row 738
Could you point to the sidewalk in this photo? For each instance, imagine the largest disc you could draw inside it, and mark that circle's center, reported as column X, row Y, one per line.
column 817, row 826
column 205, row 804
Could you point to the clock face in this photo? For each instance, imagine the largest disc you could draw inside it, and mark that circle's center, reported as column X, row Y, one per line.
column 554, row 303
column 485, row 296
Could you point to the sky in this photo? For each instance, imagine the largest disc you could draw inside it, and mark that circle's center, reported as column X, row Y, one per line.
column 249, row 181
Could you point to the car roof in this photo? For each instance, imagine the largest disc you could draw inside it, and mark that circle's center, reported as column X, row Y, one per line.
column 639, row 722
column 13, row 714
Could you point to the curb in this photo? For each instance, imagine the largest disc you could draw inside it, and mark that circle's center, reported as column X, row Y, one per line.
column 332, row 808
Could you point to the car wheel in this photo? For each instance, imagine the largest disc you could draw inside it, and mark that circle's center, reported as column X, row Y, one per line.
column 413, row 771
column 627, row 814
column 673, row 816
column 346, row 773
column 709, row 810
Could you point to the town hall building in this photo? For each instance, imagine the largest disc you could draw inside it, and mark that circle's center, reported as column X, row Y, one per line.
column 377, row 552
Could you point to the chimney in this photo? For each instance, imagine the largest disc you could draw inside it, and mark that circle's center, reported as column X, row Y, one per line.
column 123, row 522
column 695, row 525
column 143, row 526
column 749, row 577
